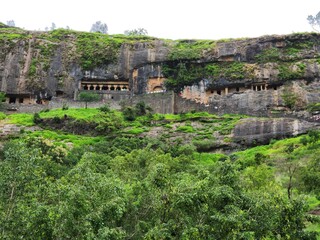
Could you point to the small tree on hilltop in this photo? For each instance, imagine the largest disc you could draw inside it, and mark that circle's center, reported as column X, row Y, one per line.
column 11, row 23
column 53, row 26
column 99, row 27
column 314, row 21
column 136, row 32
column 89, row 97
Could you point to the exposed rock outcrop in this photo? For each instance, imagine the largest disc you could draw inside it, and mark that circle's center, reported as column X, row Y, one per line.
column 253, row 131
column 241, row 76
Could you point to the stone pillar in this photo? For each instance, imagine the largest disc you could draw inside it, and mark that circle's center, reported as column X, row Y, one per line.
column 226, row 90
column 256, row 88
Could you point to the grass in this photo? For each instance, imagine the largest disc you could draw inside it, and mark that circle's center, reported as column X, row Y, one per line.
column 88, row 114
column 207, row 158
column 136, row 130
column 26, row 119
column 63, row 138
column 313, row 202
column 186, row 129
column 21, row 119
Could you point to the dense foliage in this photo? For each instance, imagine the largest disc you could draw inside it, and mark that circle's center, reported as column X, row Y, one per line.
column 63, row 186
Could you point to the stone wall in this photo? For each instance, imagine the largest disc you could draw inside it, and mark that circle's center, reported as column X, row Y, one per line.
column 159, row 102
column 58, row 103
column 183, row 105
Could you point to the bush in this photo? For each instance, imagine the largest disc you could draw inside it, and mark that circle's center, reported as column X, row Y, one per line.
column 187, row 129
column 313, row 107
column 36, row 118
column 129, row 114
column 105, row 108
column 56, row 120
column 289, row 98
column 204, row 145
column 2, row 116
column 65, row 106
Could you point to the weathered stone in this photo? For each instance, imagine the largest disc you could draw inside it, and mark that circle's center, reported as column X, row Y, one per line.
column 251, row 131
column 140, row 65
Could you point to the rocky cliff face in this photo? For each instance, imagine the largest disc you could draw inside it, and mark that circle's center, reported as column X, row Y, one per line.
column 254, row 131
column 44, row 63
column 245, row 75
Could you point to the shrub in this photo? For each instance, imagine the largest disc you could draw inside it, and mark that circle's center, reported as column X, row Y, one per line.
column 129, row 114
column 36, row 118
column 2, row 116
column 105, row 108
column 65, row 106
column 204, row 145
column 187, row 129
column 313, row 107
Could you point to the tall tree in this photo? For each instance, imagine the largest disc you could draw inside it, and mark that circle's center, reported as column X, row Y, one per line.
column 11, row 23
column 99, row 27
column 314, row 21
column 53, row 26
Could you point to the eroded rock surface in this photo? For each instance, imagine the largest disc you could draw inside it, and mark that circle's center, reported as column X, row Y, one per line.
column 252, row 131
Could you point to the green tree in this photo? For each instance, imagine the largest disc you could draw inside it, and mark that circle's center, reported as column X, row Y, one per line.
column 87, row 204
column 311, row 175
column 89, row 97
column 25, row 175
column 289, row 98
column 314, row 21
column 290, row 165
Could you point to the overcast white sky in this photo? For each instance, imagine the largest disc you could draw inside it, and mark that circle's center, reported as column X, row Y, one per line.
column 173, row 19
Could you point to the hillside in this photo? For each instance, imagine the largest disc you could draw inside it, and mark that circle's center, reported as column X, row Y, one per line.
column 186, row 139
column 127, row 178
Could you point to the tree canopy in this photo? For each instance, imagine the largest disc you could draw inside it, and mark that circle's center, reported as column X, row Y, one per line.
column 314, row 21
column 99, row 27
column 88, row 97
column 11, row 23
column 119, row 185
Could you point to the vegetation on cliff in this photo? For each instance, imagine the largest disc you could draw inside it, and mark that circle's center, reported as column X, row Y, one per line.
column 123, row 184
column 185, row 63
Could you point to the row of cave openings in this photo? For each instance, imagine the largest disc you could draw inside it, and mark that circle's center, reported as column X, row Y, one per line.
column 241, row 89
column 104, row 88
